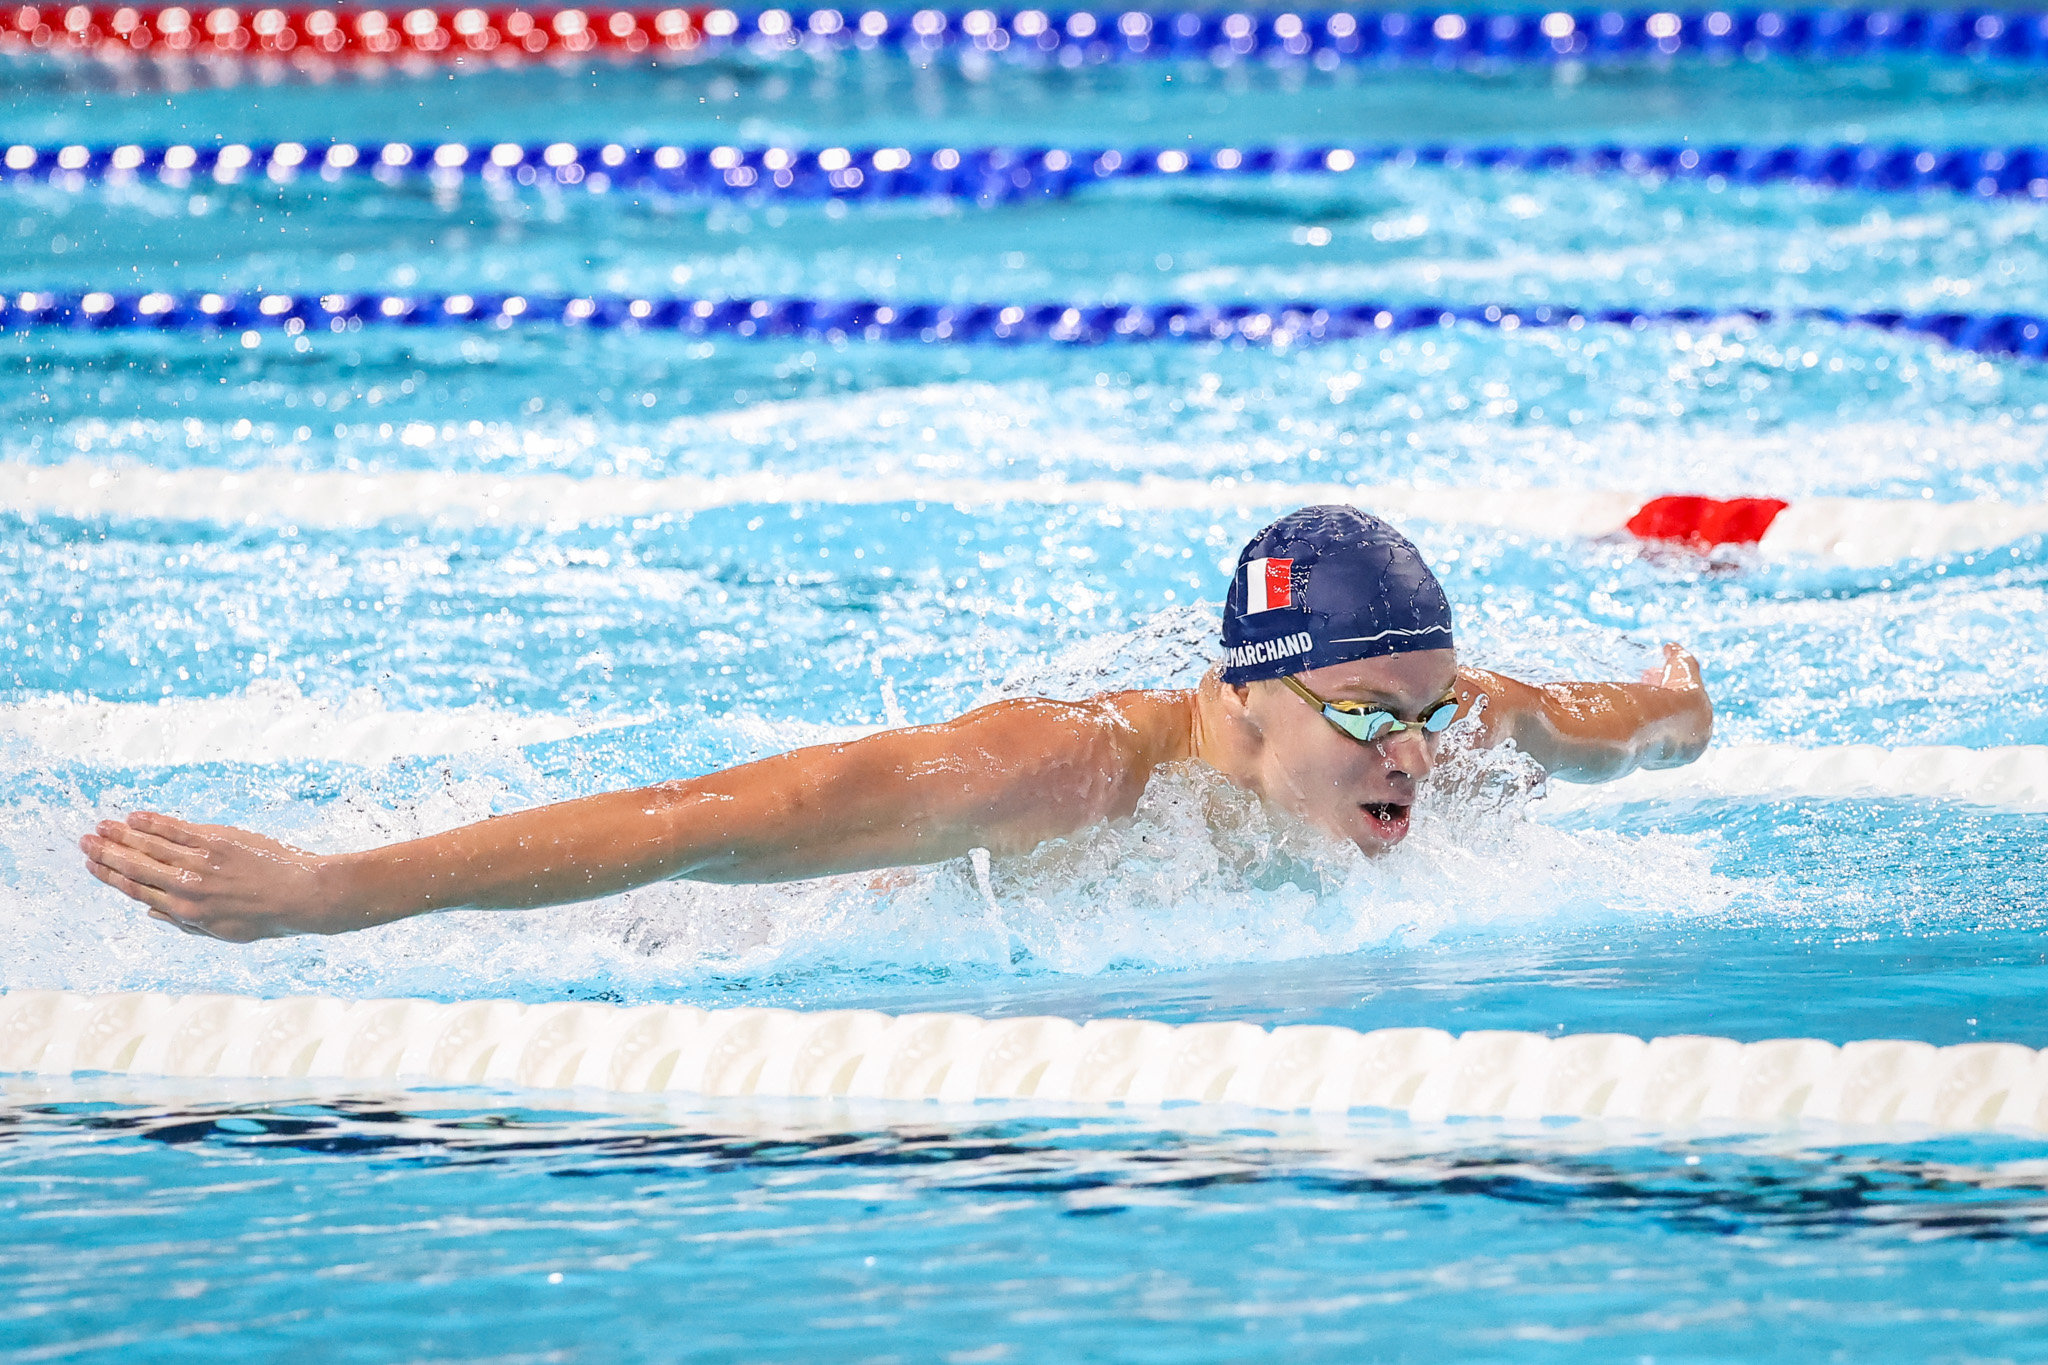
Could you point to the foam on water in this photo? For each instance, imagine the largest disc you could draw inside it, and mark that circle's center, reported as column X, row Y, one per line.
column 1156, row 891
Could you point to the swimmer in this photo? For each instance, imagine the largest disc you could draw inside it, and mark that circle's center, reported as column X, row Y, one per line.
column 1339, row 677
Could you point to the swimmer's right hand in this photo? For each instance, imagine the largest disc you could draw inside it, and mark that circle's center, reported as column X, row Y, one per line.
column 214, row 880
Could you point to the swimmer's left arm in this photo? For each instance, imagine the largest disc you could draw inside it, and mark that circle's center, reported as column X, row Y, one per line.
column 1593, row 732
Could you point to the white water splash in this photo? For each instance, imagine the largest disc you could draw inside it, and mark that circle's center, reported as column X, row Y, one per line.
column 271, row 721
column 1201, row 874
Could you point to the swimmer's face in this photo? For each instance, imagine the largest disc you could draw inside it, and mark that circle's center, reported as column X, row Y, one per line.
column 1360, row 792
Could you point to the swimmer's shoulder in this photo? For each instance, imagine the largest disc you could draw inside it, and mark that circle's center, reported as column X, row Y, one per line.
column 1133, row 730
column 1038, row 768
column 1152, row 726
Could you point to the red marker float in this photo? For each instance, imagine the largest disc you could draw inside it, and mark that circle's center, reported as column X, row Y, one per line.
column 1704, row 523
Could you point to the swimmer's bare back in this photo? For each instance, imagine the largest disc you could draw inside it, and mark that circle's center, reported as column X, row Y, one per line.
column 1004, row 777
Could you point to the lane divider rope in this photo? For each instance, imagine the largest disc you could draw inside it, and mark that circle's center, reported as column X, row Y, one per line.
column 2011, row 777
column 995, row 174
column 1301, row 323
column 1672, row 1082
column 1056, row 36
column 1862, row 532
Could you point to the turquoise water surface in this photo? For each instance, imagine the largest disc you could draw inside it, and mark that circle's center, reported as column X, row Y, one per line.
column 177, row 1220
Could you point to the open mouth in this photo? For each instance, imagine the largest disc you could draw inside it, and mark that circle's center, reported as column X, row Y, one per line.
column 1389, row 819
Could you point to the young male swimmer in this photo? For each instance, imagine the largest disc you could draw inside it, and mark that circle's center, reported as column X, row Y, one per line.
column 1337, row 680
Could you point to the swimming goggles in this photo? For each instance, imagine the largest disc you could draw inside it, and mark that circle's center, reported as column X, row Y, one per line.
column 1366, row 724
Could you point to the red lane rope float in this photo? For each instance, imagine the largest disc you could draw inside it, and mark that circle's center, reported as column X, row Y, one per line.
column 1069, row 37
column 1704, row 523
column 222, row 31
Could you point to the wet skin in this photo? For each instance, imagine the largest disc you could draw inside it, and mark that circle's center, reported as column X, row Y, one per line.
column 1268, row 738
column 1308, row 767
column 1005, row 777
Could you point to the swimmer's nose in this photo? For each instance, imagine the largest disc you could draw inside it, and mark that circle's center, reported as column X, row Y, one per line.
column 1409, row 754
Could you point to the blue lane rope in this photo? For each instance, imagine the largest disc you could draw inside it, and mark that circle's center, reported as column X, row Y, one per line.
column 995, row 174
column 2015, row 334
column 1327, row 37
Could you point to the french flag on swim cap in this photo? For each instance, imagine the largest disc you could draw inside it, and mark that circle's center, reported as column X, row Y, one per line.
column 1268, row 585
column 1352, row 588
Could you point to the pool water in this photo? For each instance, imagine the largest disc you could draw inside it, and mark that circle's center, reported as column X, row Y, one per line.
column 342, row 687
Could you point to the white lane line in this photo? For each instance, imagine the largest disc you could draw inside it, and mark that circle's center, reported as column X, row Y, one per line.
column 2009, row 777
column 346, row 500
column 1869, row 531
column 1858, row 531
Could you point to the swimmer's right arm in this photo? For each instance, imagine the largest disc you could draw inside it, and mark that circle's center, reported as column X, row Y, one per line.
column 1005, row 777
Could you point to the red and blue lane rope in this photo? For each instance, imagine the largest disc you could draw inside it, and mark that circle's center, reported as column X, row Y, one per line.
column 2006, row 334
column 1056, row 35
column 1003, row 173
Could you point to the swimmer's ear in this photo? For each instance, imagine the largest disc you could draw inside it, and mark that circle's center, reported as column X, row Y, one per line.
column 1235, row 697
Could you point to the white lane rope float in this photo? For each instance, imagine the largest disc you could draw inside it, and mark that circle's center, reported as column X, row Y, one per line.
column 863, row 1055
column 2012, row 777
column 1862, row 532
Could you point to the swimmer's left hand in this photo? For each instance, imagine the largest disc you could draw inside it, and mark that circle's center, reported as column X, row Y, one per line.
column 1680, row 736
column 1680, row 672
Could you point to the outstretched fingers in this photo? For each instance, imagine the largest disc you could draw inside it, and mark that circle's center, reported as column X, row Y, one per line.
column 171, row 829
column 225, row 883
column 157, row 899
column 163, row 850
column 135, row 864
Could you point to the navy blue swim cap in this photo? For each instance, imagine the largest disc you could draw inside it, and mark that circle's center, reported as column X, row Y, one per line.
column 1327, row 585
